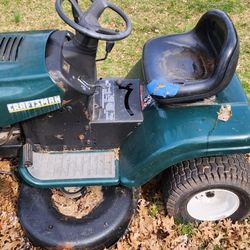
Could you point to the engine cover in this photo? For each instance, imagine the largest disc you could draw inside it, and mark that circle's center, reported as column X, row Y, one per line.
column 26, row 87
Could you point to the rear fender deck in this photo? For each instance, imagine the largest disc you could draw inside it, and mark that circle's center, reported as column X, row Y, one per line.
column 171, row 134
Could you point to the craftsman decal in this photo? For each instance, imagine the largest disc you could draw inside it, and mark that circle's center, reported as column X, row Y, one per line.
column 34, row 104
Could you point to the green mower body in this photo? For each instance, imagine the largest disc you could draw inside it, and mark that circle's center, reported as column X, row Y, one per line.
column 168, row 134
column 181, row 112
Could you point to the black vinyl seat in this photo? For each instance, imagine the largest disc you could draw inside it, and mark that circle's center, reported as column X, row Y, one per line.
column 194, row 65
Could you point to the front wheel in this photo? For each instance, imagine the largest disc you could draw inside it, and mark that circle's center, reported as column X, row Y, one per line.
column 208, row 189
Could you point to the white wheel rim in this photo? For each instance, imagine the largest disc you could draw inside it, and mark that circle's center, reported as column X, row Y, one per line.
column 213, row 204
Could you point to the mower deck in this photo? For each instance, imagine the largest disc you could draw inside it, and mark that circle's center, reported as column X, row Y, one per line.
column 102, row 227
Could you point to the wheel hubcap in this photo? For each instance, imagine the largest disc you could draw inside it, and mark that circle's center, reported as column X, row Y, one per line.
column 213, row 204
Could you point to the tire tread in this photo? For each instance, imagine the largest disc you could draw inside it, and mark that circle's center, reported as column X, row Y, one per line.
column 187, row 175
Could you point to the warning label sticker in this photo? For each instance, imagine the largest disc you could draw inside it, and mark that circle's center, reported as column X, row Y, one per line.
column 34, row 104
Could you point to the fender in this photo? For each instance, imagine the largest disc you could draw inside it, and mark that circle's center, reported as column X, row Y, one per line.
column 171, row 134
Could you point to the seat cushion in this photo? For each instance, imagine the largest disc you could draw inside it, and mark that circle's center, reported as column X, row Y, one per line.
column 193, row 65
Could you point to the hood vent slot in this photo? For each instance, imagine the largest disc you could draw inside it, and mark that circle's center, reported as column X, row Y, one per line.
column 9, row 47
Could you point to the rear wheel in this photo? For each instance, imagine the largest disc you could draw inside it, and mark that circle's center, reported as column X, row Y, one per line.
column 208, row 189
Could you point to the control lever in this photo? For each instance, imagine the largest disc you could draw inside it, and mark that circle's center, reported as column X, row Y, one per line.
column 109, row 46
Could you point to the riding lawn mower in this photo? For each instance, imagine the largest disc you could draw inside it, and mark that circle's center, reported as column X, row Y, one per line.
column 180, row 114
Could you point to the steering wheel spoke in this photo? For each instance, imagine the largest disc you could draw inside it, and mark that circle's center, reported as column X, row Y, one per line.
column 106, row 31
column 97, row 8
column 76, row 7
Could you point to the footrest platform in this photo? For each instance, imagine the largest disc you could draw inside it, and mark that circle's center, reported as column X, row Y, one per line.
column 74, row 168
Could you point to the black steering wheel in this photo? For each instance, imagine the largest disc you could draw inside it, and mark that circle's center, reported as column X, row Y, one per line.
column 86, row 22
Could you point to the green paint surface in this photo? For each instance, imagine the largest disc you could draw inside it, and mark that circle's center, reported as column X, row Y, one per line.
column 171, row 134
column 26, row 78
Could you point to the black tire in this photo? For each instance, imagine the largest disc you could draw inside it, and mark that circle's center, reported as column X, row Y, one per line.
column 100, row 229
column 186, row 180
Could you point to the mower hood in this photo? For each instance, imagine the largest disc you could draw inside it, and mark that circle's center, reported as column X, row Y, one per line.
column 23, row 74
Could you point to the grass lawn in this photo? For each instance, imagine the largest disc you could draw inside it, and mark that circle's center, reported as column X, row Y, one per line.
column 150, row 18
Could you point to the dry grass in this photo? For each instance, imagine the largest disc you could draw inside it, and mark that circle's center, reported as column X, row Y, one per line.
column 150, row 229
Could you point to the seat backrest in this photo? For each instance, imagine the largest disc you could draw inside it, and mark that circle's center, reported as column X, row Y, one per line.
column 216, row 31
